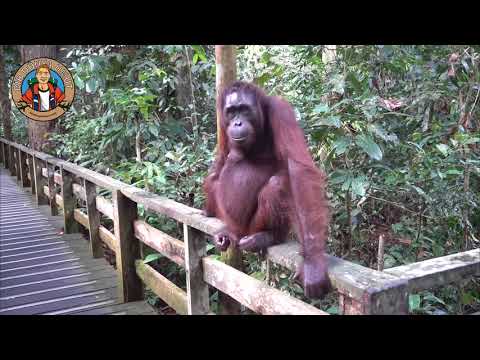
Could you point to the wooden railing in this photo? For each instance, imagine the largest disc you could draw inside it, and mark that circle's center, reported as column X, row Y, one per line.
column 59, row 183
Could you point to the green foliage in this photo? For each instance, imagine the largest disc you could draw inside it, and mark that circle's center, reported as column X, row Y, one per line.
column 394, row 127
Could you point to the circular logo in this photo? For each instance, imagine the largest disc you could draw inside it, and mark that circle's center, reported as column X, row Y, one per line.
column 43, row 89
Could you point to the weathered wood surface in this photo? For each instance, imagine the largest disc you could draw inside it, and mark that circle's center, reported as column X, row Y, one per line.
column 40, row 182
column 57, row 177
column 180, row 212
column 254, row 294
column 104, row 205
column 3, row 154
column 44, row 272
column 170, row 293
column 348, row 278
column 23, row 165
column 165, row 244
column 31, row 173
column 440, row 271
column 128, row 250
column 52, row 190
column 11, row 162
column 197, row 289
column 93, row 219
column 106, row 236
column 71, row 226
column 19, row 166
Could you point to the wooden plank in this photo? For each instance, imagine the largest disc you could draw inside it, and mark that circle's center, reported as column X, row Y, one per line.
column 56, row 176
column 254, row 294
column 40, row 181
column 18, row 165
column 79, row 191
column 70, row 225
column 23, row 169
column 439, row 271
column 6, row 155
column 180, row 212
column 197, row 289
column 3, row 154
column 170, row 293
column 92, row 176
column 106, row 236
column 31, row 173
column 104, row 205
column 52, row 190
column 58, row 198
column 128, row 250
column 11, row 151
column 93, row 219
column 165, row 244
column 348, row 278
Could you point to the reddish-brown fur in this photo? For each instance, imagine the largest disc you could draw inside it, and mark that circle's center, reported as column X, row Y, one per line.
column 274, row 186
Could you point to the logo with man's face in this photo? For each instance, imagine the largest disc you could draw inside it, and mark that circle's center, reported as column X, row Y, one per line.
column 43, row 89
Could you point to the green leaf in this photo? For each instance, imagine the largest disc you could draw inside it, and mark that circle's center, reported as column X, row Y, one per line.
column 382, row 134
column 338, row 177
column 153, row 130
column 152, row 257
column 195, row 59
column 347, row 183
column 369, row 146
column 444, row 149
column 434, row 299
column 321, row 108
column 359, row 185
column 258, row 275
column 468, row 298
column 79, row 82
column 341, row 145
column 354, row 81
column 332, row 310
column 414, row 302
column 454, row 172
column 91, row 85
column 330, row 121
column 420, row 191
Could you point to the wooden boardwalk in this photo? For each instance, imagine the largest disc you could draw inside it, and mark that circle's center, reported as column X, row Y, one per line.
column 43, row 271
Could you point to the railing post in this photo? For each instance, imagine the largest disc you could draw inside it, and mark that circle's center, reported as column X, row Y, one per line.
column 392, row 299
column 93, row 218
column 71, row 226
column 11, row 162
column 2, row 153
column 40, row 181
column 6, row 155
column 19, row 165
column 128, row 250
column 31, row 172
column 52, row 189
column 23, row 168
column 197, row 289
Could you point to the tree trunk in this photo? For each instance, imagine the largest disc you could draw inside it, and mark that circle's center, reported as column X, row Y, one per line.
column 4, row 98
column 225, row 58
column 184, row 91
column 38, row 130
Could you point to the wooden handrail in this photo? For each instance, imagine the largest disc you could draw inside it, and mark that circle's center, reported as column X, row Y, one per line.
column 362, row 290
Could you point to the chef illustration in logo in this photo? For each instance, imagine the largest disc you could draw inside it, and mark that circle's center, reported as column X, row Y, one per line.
column 43, row 89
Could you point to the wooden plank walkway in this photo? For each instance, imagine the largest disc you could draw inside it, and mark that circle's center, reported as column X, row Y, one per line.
column 43, row 271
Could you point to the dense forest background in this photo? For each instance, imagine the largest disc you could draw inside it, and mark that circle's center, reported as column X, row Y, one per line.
column 396, row 128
